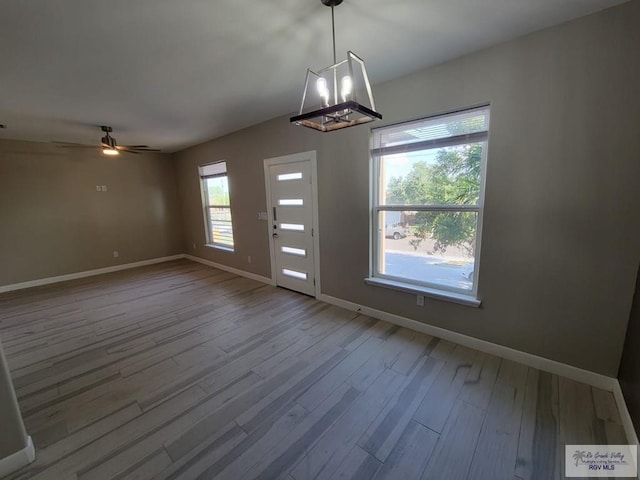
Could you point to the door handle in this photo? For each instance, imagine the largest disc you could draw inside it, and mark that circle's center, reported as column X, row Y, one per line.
column 275, row 217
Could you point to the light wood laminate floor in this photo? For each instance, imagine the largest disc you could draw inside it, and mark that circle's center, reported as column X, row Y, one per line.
column 181, row 371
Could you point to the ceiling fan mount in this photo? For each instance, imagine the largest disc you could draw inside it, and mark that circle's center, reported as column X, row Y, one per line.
column 108, row 142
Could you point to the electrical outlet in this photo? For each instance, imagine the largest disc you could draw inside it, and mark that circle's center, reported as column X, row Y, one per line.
column 194, row 245
column 104, row 188
column 115, row 254
column 249, row 258
column 420, row 300
column 98, row 189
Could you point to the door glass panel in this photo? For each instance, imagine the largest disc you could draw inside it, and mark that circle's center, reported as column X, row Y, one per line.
column 294, row 274
column 296, row 227
column 294, row 251
column 290, row 202
column 283, row 177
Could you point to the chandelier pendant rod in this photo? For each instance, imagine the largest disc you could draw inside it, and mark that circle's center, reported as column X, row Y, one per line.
column 335, row 74
column 333, row 31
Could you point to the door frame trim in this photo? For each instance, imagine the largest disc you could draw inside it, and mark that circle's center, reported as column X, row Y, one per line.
column 296, row 157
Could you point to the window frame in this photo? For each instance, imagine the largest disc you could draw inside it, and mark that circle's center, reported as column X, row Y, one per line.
column 425, row 288
column 206, row 207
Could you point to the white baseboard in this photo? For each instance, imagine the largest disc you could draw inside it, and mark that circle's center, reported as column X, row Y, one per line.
column 87, row 273
column 17, row 460
column 627, row 423
column 237, row 271
column 541, row 363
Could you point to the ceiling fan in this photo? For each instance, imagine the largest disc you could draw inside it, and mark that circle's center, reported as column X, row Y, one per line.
column 109, row 145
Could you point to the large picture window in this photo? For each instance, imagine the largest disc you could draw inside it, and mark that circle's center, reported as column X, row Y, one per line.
column 217, row 206
column 428, row 189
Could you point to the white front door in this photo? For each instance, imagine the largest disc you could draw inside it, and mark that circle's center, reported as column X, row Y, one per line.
column 291, row 218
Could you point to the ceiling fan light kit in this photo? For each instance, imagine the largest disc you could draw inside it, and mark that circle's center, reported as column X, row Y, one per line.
column 333, row 100
column 109, row 146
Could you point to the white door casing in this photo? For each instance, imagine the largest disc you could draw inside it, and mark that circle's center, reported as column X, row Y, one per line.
column 293, row 221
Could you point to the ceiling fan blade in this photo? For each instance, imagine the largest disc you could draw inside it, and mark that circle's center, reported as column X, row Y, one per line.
column 72, row 145
column 109, row 143
column 139, row 149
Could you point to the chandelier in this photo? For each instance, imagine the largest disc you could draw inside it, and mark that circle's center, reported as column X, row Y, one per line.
column 332, row 104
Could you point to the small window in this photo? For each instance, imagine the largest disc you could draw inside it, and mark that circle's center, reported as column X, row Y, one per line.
column 217, row 206
column 300, row 252
column 289, row 176
column 291, row 202
column 427, row 201
column 294, row 274
column 294, row 227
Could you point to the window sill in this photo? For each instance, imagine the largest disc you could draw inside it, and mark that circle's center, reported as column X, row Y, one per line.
column 219, row 247
column 459, row 298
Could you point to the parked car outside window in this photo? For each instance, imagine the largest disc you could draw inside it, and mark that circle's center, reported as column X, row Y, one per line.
column 395, row 231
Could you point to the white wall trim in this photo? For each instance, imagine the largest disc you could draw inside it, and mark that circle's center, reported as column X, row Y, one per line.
column 541, row 363
column 625, row 416
column 87, row 273
column 17, row 460
column 237, row 271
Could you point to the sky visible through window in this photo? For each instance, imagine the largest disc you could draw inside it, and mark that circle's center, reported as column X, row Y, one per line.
column 400, row 164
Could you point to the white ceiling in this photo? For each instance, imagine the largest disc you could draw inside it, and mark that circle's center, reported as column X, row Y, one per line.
column 174, row 73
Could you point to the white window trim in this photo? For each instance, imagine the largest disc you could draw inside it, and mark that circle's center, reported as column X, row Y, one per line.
column 438, row 294
column 426, row 289
column 217, row 246
column 205, row 207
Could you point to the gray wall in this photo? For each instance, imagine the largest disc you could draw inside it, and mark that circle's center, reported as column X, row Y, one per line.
column 14, row 436
column 629, row 373
column 561, row 225
column 53, row 222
